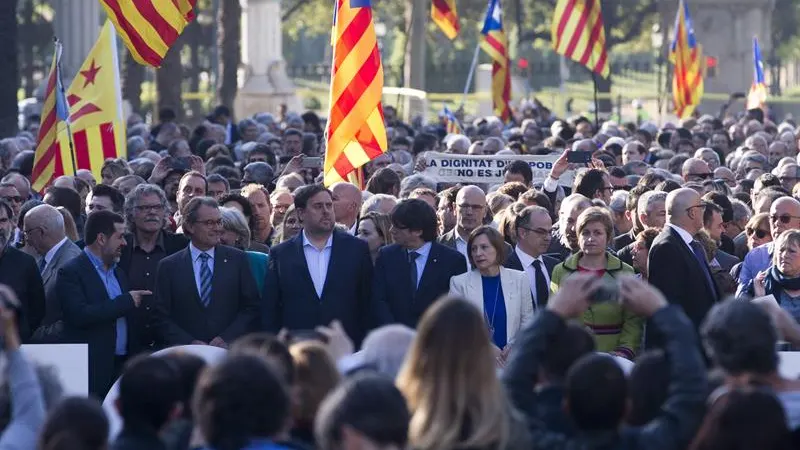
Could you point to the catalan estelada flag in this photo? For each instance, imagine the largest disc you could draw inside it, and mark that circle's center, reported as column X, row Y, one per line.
column 687, row 56
column 757, row 97
column 495, row 43
column 54, row 110
column 453, row 125
column 579, row 34
column 356, row 131
column 95, row 118
column 444, row 14
column 150, row 27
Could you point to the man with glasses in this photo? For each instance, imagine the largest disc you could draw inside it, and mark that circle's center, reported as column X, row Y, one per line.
column 206, row 293
column 677, row 264
column 146, row 210
column 533, row 227
column 43, row 228
column 789, row 174
column 19, row 271
column 784, row 214
column 695, row 169
column 10, row 194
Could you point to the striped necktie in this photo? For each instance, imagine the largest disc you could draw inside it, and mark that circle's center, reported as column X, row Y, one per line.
column 205, row 279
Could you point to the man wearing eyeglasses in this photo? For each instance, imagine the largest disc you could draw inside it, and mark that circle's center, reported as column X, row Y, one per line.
column 677, row 264
column 697, row 170
column 784, row 214
column 533, row 227
column 205, row 294
column 9, row 193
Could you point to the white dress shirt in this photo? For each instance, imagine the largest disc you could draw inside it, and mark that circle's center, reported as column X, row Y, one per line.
column 354, row 229
column 196, row 264
column 422, row 259
column 685, row 235
column 527, row 264
column 461, row 246
column 52, row 252
column 317, row 261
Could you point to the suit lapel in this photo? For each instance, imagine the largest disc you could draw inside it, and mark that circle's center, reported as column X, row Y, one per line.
column 187, row 267
column 49, row 271
column 337, row 257
column 219, row 273
column 301, row 265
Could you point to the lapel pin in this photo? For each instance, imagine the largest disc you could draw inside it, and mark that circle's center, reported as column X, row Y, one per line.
column 224, row 260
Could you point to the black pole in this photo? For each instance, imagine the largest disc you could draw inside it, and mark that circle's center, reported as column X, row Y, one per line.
column 60, row 86
column 596, row 104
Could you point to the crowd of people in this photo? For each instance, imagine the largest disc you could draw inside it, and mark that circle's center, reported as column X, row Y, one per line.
column 643, row 305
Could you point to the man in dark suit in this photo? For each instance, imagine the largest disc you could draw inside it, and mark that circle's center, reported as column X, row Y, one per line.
column 205, row 294
column 18, row 270
column 713, row 225
column 429, row 265
column 147, row 244
column 533, row 226
column 44, row 232
column 320, row 275
column 677, row 263
column 97, row 303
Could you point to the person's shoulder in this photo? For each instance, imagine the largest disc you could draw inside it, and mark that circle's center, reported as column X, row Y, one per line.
column 445, row 250
column 343, row 238
column 170, row 259
column 230, row 252
column 76, row 264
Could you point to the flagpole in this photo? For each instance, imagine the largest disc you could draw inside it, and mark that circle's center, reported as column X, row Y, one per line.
column 64, row 95
column 470, row 74
column 596, row 104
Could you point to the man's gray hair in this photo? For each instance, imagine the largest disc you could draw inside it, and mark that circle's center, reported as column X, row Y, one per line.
column 135, row 196
column 259, row 172
column 8, row 150
column 233, row 220
column 618, row 200
column 136, row 145
column 245, row 123
column 385, row 348
column 741, row 212
column 415, row 181
column 139, row 130
column 374, row 203
column 648, row 199
column 189, row 212
column 51, row 219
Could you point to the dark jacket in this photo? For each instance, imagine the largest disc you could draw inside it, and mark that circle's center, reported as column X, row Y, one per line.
column 90, row 317
column 681, row 414
column 173, row 243
column 137, row 439
column 623, row 240
column 19, row 271
column 391, row 291
column 51, row 330
column 449, row 240
column 290, row 301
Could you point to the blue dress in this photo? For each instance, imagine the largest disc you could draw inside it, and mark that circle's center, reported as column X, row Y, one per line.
column 494, row 310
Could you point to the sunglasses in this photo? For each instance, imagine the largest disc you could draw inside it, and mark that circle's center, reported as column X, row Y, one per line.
column 783, row 218
column 702, row 176
column 13, row 198
column 761, row 234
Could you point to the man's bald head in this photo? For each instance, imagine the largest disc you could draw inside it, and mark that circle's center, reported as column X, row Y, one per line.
column 45, row 226
column 470, row 209
column 784, row 214
column 346, row 202
column 493, row 145
column 695, row 169
column 346, row 190
column 685, row 210
column 584, row 145
column 458, row 144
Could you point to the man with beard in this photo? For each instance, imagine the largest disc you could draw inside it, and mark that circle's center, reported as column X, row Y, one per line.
column 320, row 275
column 97, row 303
column 146, row 244
column 19, row 271
column 258, row 196
column 565, row 240
column 193, row 184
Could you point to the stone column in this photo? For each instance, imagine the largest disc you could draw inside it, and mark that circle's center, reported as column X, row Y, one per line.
column 77, row 25
column 266, row 84
column 417, row 12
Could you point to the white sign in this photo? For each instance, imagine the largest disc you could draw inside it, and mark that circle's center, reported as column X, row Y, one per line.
column 69, row 361
column 209, row 353
column 488, row 169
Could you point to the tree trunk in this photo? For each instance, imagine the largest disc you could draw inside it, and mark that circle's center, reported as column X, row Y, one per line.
column 169, row 80
column 604, row 91
column 132, row 82
column 26, row 33
column 194, row 35
column 228, row 41
column 9, row 74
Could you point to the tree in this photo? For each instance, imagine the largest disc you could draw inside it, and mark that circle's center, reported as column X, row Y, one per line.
column 9, row 72
column 169, row 80
column 230, row 35
column 133, row 76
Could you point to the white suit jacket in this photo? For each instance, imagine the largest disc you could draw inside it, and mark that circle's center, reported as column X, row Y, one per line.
column 516, row 292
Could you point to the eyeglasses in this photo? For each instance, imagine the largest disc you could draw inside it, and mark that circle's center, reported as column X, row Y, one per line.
column 783, row 218
column 147, row 208
column 28, row 232
column 540, row 231
column 210, row 222
column 702, row 176
column 701, row 205
column 761, row 234
column 466, row 207
column 12, row 198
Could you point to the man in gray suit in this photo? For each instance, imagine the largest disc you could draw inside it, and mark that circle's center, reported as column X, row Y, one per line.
column 44, row 232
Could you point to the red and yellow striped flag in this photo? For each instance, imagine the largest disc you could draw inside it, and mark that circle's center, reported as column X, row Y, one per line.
column 444, row 14
column 95, row 117
column 356, row 131
column 579, row 34
column 687, row 55
column 150, row 27
column 495, row 43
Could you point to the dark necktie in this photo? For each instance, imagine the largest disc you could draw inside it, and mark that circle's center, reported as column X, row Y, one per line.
column 542, row 291
column 412, row 261
column 42, row 265
column 700, row 256
column 205, row 279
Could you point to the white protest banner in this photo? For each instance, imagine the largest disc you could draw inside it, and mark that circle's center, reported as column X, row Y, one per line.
column 487, row 169
column 69, row 361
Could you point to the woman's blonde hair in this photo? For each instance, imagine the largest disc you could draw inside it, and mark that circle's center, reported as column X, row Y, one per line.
column 118, row 167
column 786, row 239
column 596, row 214
column 70, row 229
column 315, row 376
column 233, row 220
column 450, row 383
column 382, row 224
column 281, row 236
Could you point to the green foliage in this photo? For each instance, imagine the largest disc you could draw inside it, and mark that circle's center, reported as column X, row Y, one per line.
column 785, row 23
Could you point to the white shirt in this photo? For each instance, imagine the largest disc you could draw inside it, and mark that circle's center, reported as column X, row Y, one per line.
column 52, row 252
column 685, row 235
column 527, row 264
column 197, row 264
column 461, row 246
column 422, row 259
column 353, row 229
column 317, row 262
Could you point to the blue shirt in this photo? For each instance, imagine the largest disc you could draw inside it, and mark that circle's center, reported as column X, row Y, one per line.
column 113, row 289
column 494, row 310
column 757, row 260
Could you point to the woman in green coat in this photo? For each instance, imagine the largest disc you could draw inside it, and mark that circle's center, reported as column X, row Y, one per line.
column 615, row 330
column 236, row 233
